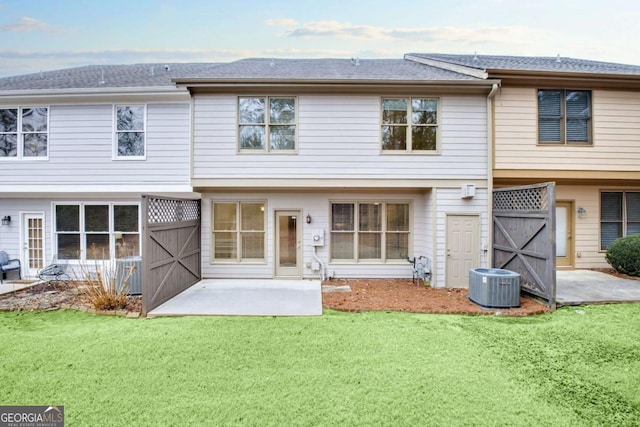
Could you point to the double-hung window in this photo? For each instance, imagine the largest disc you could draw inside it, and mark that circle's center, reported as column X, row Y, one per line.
column 619, row 215
column 564, row 116
column 238, row 231
column 369, row 231
column 410, row 124
column 130, row 140
column 267, row 124
column 95, row 231
column 24, row 133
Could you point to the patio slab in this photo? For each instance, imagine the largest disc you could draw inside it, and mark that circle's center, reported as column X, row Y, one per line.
column 254, row 297
column 15, row 285
column 578, row 287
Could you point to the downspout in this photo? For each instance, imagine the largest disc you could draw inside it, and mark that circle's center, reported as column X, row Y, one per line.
column 490, row 164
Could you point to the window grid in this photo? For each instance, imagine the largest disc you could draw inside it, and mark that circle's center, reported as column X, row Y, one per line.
column 130, row 141
column 267, row 124
column 362, row 229
column 619, row 216
column 24, row 133
column 564, row 117
column 241, row 237
column 410, row 124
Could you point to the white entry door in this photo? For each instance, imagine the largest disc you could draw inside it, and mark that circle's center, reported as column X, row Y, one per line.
column 463, row 248
column 288, row 251
column 33, row 257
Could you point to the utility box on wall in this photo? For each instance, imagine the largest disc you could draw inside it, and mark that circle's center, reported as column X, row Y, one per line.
column 317, row 238
column 467, row 191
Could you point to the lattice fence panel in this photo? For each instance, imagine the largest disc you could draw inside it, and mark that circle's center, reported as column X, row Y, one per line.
column 523, row 199
column 162, row 210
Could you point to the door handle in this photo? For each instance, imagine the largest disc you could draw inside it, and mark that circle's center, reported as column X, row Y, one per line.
column 448, row 252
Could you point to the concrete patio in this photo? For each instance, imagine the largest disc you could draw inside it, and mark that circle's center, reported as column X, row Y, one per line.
column 578, row 287
column 251, row 297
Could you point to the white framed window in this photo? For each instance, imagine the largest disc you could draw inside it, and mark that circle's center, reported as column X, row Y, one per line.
column 238, row 231
column 410, row 124
column 564, row 117
column 130, row 142
column 370, row 231
column 619, row 215
column 267, row 124
column 24, row 133
column 96, row 231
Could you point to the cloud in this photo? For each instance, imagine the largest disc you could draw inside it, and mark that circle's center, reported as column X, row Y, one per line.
column 339, row 30
column 281, row 22
column 30, row 25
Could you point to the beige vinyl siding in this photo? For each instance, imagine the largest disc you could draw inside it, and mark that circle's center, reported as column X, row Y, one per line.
column 616, row 134
column 339, row 137
column 81, row 150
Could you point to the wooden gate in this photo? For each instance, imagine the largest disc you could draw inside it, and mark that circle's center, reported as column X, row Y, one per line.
column 171, row 258
column 524, row 238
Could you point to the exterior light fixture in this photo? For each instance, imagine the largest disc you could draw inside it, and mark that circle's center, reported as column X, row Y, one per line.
column 6, row 220
column 308, row 219
column 582, row 212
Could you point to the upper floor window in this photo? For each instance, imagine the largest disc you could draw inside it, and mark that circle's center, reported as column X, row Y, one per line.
column 130, row 132
column 409, row 124
column 564, row 116
column 24, row 133
column 619, row 215
column 267, row 123
column 369, row 231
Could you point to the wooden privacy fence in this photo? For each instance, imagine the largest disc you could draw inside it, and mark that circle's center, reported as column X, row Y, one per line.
column 171, row 258
column 524, row 237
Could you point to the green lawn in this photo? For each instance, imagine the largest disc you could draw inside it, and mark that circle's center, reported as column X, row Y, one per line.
column 341, row 369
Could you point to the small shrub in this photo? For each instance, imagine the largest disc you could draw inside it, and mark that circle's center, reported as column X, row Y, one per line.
column 624, row 255
column 98, row 284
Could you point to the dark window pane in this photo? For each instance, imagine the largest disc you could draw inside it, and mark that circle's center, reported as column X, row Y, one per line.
column 397, row 217
column 8, row 145
column 342, row 217
column 370, row 246
column 423, row 138
column 370, row 217
column 68, row 246
column 282, row 110
column 252, row 137
column 130, row 117
column 282, row 137
column 96, row 218
column 609, row 232
column 131, row 144
column 550, row 103
column 577, row 130
column 397, row 245
column 34, row 120
column 8, row 120
column 611, row 206
column 342, row 246
column 394, row 111
column 251, row 110
column 252, row 216
column 35, row 145
column 394, row 138
column 125, row 218
column 424, row 111
column 578, row 104
column 98, row 246
column 549, row 130
column 67, row 218
column 633, row 206
column 127, row 245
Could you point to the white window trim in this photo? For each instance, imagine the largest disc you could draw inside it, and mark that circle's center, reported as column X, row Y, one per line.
column 383, row 259
column 83, row 232
column 114, row 153
column 20, row 135
column 409, row 149
column 267, row 142
column 238, row 231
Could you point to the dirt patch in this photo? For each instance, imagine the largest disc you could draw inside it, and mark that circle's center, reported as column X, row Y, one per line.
column 404, row 295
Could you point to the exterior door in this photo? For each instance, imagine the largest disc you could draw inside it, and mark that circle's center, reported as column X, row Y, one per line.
column 33, row 258
column 564, row 234
column 288, row 251
column 463, row 249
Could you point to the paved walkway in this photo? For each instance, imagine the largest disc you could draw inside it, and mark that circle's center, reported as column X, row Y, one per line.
column 12, row 286
column 577, row 287
column 246, row 298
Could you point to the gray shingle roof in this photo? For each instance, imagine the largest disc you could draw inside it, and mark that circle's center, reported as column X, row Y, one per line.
column 328, row 69
column 533, row 63
column 105, row 76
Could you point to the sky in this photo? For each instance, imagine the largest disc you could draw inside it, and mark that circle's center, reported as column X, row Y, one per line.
column 43, row 35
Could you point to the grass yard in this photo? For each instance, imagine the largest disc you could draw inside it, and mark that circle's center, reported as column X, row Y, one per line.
column 560, row 369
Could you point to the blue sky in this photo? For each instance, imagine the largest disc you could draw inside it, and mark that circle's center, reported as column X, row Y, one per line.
column 41, row 35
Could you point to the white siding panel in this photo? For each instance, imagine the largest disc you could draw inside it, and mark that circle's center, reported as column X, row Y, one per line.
column 81, row 149
column 318, row 206
column 339, row 137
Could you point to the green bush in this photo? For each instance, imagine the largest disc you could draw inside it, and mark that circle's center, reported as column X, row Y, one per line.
column 624, row 255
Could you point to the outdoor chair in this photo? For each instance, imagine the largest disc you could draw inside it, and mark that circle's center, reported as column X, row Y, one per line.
column 55, row 271
column 7, row 265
